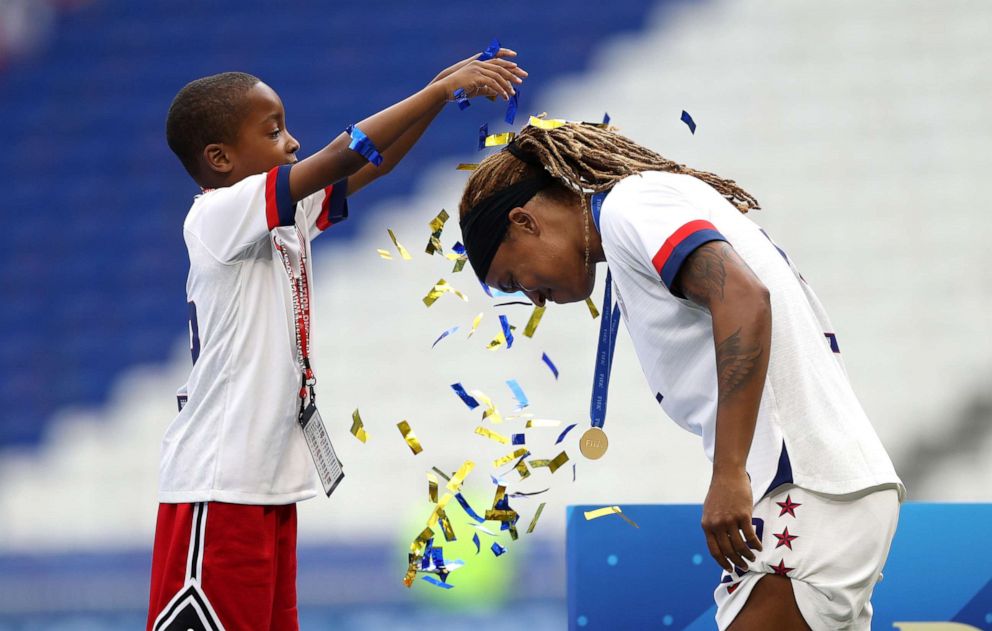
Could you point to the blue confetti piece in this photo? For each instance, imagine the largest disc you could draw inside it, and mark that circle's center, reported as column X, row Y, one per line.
column 561, row 436
column 688, row 121
column 434, row 581
column 363, row 145
column 483, row 134
column 458, row 248
column 491, row 51
column 573, row 472
column 519, row 439
column 511, row 107
column 518, row 393
column 507, row 333
column 478, row 544
column 486, row 289
column 444, row 335
column 468, row 509
column 551, row 364
column 465, row 396
column 498, row 549
column 606, row 118
column 461, row 97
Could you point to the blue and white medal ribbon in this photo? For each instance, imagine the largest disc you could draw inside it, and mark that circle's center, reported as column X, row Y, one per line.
column 593, row 443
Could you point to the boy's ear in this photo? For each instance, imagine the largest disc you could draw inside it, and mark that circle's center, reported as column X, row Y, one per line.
column 217, row 159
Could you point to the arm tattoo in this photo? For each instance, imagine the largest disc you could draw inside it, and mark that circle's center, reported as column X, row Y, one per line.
column 704, row 274
column 735, row 364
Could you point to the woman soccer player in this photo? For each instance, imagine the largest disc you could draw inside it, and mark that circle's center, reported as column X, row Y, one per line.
column 803, row 500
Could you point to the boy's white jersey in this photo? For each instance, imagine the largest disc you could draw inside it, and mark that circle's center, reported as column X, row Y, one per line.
column 237, row 438
column 811, row 429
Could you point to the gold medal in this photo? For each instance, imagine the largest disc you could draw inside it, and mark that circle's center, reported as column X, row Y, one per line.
column 593, row 443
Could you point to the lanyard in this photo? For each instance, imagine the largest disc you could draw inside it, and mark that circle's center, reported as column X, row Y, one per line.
column 299, row 287
column 609, row 325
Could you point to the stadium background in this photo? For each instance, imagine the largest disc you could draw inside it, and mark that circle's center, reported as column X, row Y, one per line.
column 862, row 128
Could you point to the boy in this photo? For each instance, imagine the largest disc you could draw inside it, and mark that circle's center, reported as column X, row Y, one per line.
column 803, row 500
column 235, row 460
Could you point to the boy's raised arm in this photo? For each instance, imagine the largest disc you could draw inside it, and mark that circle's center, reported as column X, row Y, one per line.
column 395, row 129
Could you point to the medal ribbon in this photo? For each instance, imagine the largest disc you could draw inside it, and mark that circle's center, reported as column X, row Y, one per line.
column 300, row 288
column 609, row 325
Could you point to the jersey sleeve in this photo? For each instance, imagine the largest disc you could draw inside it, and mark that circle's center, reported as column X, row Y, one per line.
column 229, row 220
column 657, row 225
column 326, row 208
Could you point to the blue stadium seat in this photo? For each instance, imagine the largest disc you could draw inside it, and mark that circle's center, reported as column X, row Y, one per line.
column 94, row 269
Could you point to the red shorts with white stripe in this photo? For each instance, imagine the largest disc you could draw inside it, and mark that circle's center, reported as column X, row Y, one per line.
column 224, row 566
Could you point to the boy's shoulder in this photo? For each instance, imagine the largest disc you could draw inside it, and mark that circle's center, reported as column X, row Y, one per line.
column 237, row 196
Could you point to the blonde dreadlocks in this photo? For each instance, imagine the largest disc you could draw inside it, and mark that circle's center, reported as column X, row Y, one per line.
column 583, row 158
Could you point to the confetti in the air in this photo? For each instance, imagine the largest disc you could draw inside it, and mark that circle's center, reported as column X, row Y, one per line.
column 561, row 436
column 357, row 427
column 518, row 393
column 593, row 311
column 465, row 396
column 551, row 364
column 608, row 510
column 444, row 335
column 403, row 252
column 533, row 522
column 409, row 437
column 689, row 122
column 535, row 319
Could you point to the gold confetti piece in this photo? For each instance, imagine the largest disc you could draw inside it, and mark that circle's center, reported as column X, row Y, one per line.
column 593, row 311
column 449, row 532
column 432, row 487
column 459, row 264
column 495, row 140
column 543, row 462
column 456, row 480
column 490, row 434
column 519, row 453
column 357, row 427
column 558, row 461
column 384, row 254
column 467, row 167
column 490, row 412
column 440, row 288
column 433, row 245
column 540, row 422
column 497, row 514
column 522, row 470
column 533, row 522
column 498, row 341
column 441, row 473
column 437, row 224
column 441, row 505
column 410, row 437
column 608, row 510
column 406, row 255
column 550, row 123
column 535, row 319
column 417, row 549
column 475, row 325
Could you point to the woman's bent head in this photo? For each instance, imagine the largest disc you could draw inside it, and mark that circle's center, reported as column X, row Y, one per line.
column 525, row 214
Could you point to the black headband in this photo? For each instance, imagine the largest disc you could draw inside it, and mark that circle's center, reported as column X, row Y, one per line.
column 484, row 227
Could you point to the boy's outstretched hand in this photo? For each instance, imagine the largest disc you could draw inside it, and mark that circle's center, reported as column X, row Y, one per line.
column 493, row 77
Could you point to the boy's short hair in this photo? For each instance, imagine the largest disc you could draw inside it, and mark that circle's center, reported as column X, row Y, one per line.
column 206, row 111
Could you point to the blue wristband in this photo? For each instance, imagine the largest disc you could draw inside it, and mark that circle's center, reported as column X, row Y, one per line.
column 363, row 145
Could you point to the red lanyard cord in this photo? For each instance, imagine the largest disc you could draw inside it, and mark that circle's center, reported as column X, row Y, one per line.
column 300, row 288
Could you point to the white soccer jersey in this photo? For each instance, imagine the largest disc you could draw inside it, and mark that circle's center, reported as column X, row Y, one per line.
column 237, row 438
column 811, row 429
